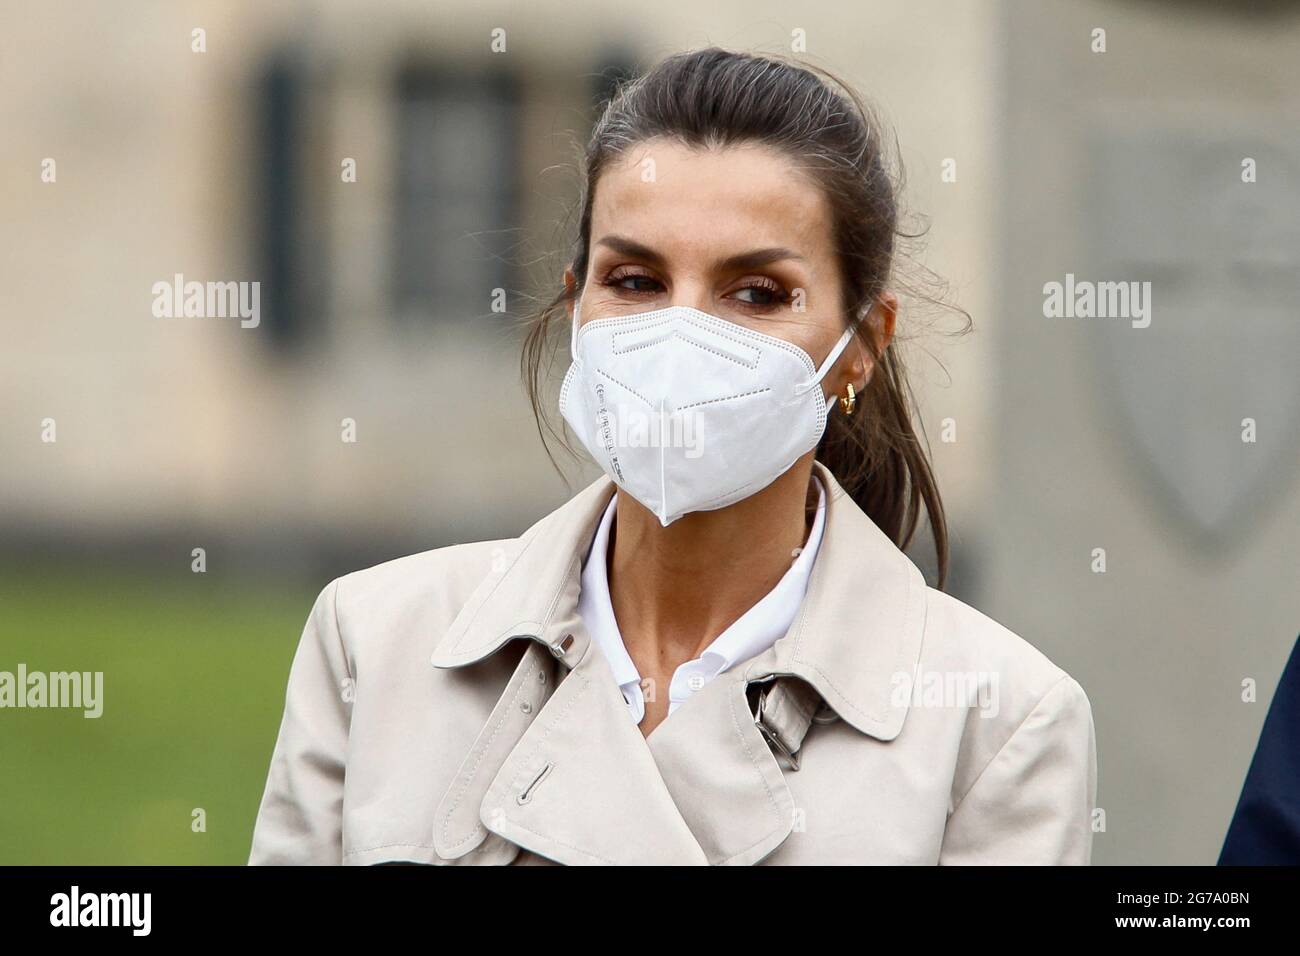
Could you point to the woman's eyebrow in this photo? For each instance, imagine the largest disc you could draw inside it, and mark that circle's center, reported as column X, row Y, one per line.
column 754, row 259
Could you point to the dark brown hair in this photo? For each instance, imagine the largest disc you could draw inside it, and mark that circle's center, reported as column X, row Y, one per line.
column 713, row 98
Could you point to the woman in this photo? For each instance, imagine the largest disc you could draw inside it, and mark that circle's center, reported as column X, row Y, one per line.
column 717, row 653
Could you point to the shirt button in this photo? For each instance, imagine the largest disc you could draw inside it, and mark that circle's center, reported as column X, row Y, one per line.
column 526, row 707
column 695, row 681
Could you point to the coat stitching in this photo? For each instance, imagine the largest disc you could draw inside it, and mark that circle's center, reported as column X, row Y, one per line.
column 478, row 759
column 536, row 748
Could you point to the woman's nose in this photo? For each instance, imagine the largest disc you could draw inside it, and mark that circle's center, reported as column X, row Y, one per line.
column 693, row 295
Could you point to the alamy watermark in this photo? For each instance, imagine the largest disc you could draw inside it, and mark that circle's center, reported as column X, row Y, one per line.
column 623, row 426
column 75, row 908
column 960, row 689
column 1085, row 299
column 208, row 300
column 79, row 690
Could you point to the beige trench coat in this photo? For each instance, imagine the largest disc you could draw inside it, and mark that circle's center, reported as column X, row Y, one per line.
column 451, row 708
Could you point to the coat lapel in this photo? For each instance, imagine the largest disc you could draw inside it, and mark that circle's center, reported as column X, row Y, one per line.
column 581, row 786
column 457, row 828
column 722, row 775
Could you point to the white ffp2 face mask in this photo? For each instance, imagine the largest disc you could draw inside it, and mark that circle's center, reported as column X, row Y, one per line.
column 689, row 412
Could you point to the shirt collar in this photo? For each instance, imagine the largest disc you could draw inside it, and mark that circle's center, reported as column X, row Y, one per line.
column 749, row 635
column 597, row 610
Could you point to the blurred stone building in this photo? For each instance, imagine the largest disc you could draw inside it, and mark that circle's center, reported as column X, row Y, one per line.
column 1035, row 146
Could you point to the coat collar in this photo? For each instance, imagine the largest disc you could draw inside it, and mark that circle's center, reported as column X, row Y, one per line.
column 704, row 787
column 860, row 623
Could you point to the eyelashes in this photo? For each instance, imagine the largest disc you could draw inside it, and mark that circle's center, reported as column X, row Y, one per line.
column 623, row 280
column 616, row 278
column 779, row 295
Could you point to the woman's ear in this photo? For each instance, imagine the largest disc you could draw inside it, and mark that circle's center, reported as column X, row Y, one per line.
column 879, row 324
column 886, row 309
column 570, row 287
column 853, row 367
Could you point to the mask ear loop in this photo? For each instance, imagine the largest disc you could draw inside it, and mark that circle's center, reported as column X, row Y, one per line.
column 826, row 365
column 836, row 351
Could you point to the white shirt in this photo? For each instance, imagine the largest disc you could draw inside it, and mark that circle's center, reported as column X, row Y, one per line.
column 752, row 633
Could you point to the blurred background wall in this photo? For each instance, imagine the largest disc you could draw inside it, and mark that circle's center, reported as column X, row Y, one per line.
column 1032, row 154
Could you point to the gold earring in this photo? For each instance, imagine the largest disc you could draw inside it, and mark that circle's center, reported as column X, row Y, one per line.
column 848, row 404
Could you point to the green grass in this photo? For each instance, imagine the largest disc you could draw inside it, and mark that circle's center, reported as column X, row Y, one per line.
column 194, row 674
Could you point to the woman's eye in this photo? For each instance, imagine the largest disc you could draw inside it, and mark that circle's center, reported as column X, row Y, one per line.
column 760, row 295
column 634, row 282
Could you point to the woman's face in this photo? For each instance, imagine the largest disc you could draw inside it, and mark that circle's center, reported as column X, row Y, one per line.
column 735, row 232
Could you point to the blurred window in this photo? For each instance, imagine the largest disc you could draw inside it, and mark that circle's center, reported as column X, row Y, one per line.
column 456, row 197
column 289, row 254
